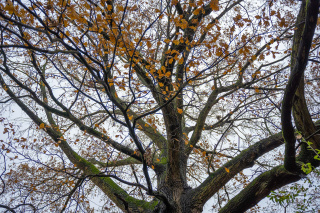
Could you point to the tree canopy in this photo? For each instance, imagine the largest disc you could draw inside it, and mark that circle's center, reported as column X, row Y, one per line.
column 156, row 106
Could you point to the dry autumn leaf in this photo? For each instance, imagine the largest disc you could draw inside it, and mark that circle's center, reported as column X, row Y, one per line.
column 42, row 126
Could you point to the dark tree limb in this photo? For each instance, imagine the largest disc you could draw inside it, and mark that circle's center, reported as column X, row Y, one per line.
column 244, row 160
column 259, row 188
column 294, row 80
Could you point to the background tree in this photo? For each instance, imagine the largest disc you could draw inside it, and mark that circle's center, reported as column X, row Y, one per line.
column 160, row 105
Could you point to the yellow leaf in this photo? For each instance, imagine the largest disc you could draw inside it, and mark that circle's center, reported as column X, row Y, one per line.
column 196, row 11
column 167, row 40
column 168, row 74
column 180, row 111
column 109, row 7
column 161, row 84
column 163, row 69
column 227, row 170
column 158, row 159
column 152, row 167
column 130, row 117
column 41, row 126
column 176, row 42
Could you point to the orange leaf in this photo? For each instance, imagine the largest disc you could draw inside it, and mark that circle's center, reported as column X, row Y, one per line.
column 180, row 111
column 41, row 126
column 120, row 8
column 196, row 11
column 176, row 42
column 227, row 170
column 168, row 74
column 214, row 4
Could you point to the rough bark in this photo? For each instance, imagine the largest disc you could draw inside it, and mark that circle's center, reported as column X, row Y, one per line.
column 309, row 12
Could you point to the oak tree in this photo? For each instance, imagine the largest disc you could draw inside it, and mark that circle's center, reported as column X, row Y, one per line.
column 156, row 106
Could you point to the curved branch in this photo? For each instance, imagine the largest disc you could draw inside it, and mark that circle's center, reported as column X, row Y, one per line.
column 259, row 188
column 244, row 160
column 296, row 75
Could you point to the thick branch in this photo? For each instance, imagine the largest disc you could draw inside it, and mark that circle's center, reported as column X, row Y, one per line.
column 294, row 80
column 244, row 160
column 259, row 188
